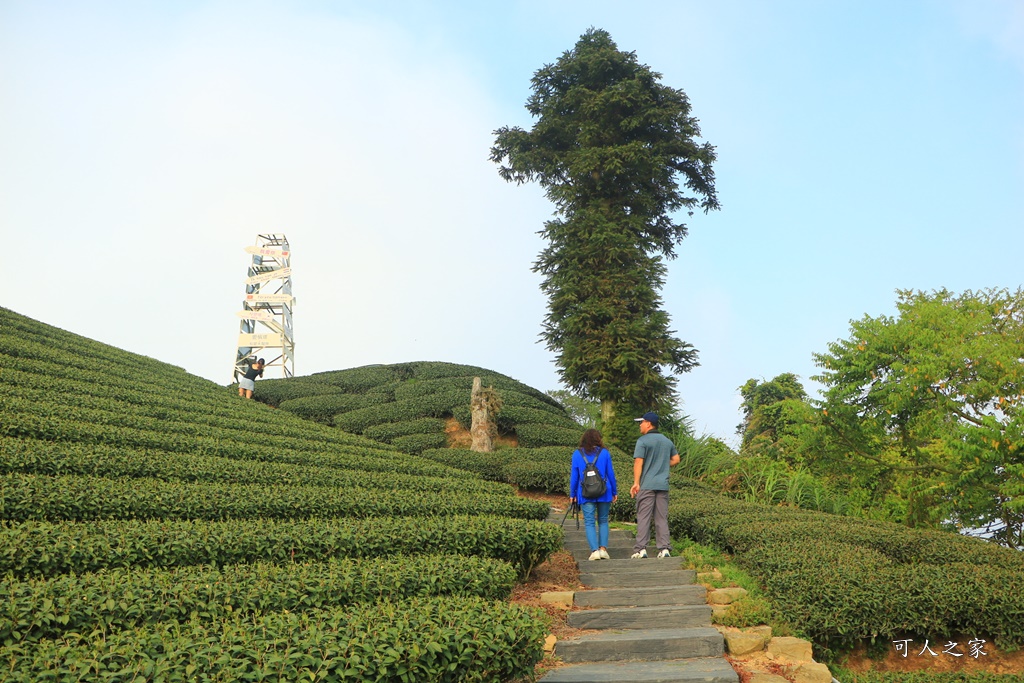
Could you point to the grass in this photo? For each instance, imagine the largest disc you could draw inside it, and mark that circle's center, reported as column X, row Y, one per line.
column 753, row 609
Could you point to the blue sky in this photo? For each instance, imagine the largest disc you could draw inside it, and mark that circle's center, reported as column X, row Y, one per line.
column 863, row 147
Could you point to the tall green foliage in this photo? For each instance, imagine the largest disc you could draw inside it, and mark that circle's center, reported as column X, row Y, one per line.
column 610, row 146
column 933, row 398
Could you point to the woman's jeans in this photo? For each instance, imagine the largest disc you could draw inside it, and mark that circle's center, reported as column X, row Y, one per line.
column 597, row 534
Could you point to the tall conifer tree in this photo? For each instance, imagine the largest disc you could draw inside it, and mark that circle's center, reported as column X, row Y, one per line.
column 610, row 146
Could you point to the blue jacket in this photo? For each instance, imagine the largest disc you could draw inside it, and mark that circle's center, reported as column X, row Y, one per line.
column 604, row 466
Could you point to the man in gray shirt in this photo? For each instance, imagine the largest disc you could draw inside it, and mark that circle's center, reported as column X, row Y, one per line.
column 653, row 455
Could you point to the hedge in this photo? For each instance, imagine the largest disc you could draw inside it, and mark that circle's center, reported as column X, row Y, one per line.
column 390, row 430
column 434, row 639
column 844, row 580
column 44, row 549
column 127, row 598
column 28, row 456
column 25, row 497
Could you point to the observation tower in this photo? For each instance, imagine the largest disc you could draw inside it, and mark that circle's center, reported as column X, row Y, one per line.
column 266, row 328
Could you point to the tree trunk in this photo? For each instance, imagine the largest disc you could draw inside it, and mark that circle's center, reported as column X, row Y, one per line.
column 607, row 411
column 482, row 408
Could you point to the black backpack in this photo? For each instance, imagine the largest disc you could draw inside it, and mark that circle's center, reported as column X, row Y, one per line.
column 594, row 484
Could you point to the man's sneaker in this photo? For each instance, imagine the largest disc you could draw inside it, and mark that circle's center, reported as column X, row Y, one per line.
column 639, row 555
column 596, row 555
column 604, row 554
column 664, row 553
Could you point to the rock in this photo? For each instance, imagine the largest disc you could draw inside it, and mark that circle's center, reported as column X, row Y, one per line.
column 549, row 644
column 560, row 598
column 763, row 631
column 708, row 577
column 740, row 643
column 725, row 596
column 720, row 610
column 810, row 672
column 796, row 649
column 762, row 677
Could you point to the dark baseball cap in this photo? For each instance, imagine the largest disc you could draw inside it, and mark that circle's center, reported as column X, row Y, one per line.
column 649, row 417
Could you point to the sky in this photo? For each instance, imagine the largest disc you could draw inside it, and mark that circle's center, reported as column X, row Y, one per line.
column 863, row 147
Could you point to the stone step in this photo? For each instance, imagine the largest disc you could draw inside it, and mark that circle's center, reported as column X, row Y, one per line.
column 622, row 553
column 635, row 579
column 573, row 539
column 655, row 616
column 642, row 644
column 709, row 670
column 642, row 597
column 651, row 564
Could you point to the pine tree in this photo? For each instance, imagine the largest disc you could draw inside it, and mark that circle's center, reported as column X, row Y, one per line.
column 610, row 146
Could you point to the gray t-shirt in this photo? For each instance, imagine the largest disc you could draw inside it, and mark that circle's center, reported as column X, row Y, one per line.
column 656, row 450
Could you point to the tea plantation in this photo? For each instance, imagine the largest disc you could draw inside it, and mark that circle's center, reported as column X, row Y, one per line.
column 155, row 526
column 410, row 405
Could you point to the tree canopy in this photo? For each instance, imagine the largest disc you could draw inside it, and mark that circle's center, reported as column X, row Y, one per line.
column 935, row 395
column 610, row 147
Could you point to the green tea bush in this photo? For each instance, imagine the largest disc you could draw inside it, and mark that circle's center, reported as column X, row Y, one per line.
column 388, row 431
column 417, row 443
column 28, row 456
column 432, row 639
column 126, row 598
column 25, row 497
column 45, row 549
column 846, row 580
column 536, row 435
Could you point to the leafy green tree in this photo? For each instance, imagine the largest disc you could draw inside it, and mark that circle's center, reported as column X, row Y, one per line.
column 585, row 411
column 932, row 399
column 768, row 409
column 610, row 147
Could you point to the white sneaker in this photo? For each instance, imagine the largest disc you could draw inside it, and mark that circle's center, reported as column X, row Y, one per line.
column 596, row 555
column 604, row 554
column 639, row 555
column 664, row 553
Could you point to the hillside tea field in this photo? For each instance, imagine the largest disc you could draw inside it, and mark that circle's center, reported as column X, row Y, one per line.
column 154, row 525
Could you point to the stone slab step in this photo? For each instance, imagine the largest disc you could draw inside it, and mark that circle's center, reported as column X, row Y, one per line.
column 651, row 564
column 579, row 540
column 654, row 616
column 637, row 578
column 642, row 597
column 709, row 670
column 643, row 645
column 582, row 556
column 582, row 543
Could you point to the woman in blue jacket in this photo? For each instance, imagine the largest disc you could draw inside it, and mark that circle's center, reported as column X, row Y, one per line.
column 592, row 450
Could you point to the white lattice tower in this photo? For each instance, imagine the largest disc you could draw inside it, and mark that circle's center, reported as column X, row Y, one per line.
column 266, row 329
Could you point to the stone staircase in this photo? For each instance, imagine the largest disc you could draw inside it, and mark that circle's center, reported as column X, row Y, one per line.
column 651, row 620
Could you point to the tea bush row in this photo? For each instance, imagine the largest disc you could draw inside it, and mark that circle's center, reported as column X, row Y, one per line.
column 546, row 469
column 45, row 549
column 29, row 456
column 421, row 640
column 432, row 405
column 125, row 598
column 844, row 579
column 63, row 430
column 235, row 417
column 240, row 422
column 389, row 431
column 25, row 497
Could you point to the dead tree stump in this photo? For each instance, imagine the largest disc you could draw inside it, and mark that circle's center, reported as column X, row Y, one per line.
column 484, row 405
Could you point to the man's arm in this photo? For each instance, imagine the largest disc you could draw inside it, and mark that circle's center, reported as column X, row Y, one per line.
column 674, row 460
column 638, row 468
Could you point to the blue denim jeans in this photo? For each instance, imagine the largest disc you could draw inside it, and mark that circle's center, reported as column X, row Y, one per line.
column 597, row 534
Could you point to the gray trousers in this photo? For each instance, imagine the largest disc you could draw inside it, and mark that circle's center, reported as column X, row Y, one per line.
column 648, row 504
